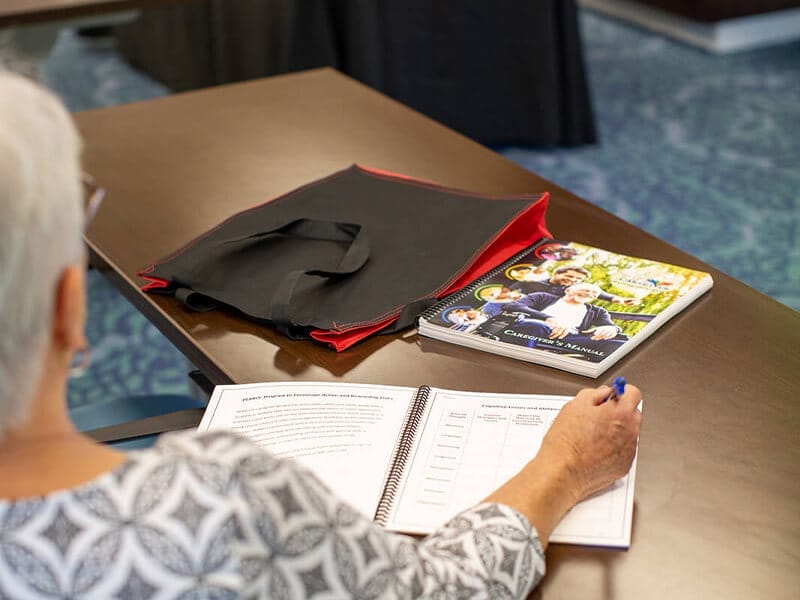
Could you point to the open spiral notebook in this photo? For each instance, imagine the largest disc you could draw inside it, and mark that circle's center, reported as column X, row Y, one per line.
column 412, row 458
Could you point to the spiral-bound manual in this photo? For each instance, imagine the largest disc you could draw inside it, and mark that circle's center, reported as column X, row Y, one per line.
column 565, row 305
column 412, row 458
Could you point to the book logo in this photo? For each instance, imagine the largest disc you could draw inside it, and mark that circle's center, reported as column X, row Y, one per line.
column 649, row 279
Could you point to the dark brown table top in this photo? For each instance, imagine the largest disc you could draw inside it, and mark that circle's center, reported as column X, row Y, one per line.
column 717, row 512
column 25, row 12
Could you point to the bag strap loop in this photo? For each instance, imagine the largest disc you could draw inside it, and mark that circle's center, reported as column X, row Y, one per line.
column 280, row 303
column 354, row 258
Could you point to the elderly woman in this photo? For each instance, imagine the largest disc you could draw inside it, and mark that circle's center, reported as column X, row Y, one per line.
column 211, row 514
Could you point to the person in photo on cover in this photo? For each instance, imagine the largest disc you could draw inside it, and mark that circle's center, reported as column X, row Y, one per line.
column 555, row 251
column 499, row 293
column 527, row 272
column 529, row 280
column 465, row 319
column 212, row 514
column 569, row 318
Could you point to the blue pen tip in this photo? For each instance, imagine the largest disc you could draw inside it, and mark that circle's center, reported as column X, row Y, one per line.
column 619, row 385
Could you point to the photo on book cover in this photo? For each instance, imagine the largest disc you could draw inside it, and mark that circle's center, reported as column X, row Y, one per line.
column 568, row 300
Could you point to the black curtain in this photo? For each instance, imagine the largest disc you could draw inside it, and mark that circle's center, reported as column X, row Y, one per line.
column 501, row 72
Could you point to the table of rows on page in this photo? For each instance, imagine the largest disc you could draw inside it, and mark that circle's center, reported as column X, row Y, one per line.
column 472, row 445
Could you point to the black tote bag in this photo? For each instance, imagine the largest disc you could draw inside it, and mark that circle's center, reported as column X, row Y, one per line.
column 358, row 252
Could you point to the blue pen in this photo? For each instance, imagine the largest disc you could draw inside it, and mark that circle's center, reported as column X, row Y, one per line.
column 618, row 388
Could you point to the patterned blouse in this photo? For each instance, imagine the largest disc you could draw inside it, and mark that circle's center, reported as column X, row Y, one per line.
column 211, row 515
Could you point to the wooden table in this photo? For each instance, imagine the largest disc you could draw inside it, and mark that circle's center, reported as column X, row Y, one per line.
column 718, row 485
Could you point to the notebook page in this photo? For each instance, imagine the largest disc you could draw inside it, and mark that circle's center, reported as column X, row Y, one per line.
column 344, row 433
column 470, row 443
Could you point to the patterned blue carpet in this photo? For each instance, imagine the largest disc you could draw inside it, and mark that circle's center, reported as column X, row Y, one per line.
column 701, row 150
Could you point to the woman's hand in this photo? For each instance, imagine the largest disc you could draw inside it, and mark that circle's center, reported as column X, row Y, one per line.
column 594, row 439
column 590, row 445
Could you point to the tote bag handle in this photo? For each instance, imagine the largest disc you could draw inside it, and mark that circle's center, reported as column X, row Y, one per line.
column 280, row 303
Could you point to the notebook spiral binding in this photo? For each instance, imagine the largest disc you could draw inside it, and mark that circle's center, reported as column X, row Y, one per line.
column 469, row 289
column 400, row 455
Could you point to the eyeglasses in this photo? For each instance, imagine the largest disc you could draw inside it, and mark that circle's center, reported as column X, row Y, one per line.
column 93, row 196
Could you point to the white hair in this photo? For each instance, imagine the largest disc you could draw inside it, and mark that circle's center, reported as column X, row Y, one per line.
column 41, row 222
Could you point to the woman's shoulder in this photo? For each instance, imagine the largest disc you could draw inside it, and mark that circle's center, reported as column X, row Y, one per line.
column 219, row 445
column 211, row 450
column 216, row 466
column 209, row 459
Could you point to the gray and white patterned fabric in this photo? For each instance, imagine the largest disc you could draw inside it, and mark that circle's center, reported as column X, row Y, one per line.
column 211, row 515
